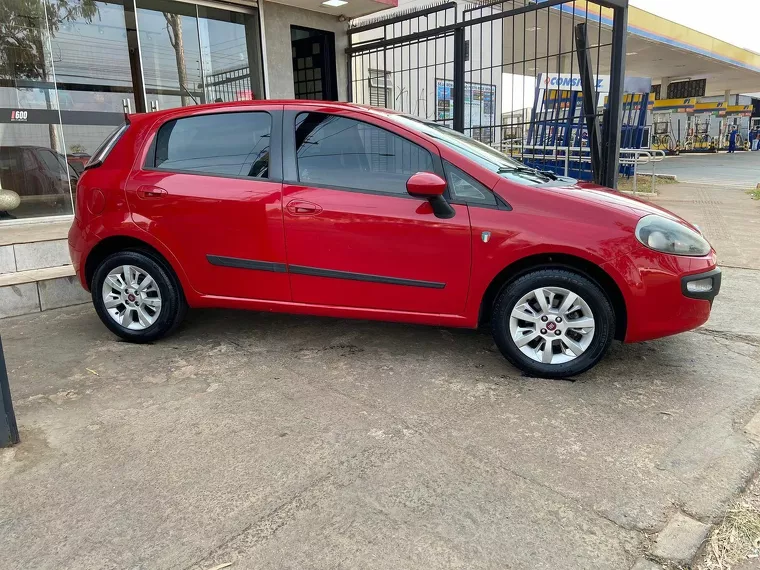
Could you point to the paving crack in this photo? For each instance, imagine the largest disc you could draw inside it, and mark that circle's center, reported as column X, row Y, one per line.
column 264, row 527
column 722, row 265
column 441, row 445
column 753, row 340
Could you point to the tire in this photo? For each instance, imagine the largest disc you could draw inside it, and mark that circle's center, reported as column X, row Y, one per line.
column 520, row 297
column 154, row 311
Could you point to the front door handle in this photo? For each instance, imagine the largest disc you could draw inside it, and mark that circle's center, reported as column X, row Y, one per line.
column 303, row 208
column 151, row 192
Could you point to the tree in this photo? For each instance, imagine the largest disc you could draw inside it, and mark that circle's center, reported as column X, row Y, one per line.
column 24, row 51
column 174, row 29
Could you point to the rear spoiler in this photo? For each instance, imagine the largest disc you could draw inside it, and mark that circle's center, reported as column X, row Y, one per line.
column 105, row 147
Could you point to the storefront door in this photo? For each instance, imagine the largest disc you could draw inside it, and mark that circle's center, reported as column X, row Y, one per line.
column 196, row 54
column 75, row 68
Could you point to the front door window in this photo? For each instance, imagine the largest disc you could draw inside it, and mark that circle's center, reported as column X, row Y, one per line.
column 340, row 152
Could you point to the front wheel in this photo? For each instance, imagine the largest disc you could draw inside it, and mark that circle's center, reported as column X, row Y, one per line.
column 553, row 323
column 137, row 296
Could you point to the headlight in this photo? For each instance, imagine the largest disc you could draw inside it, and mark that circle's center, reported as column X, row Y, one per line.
column 667, row 236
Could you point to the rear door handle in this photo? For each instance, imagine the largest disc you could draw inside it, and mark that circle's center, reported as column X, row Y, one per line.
column 151, row 192
column 303, row 208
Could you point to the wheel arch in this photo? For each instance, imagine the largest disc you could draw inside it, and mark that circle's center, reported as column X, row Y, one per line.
column 570, row 262
column 117, row 243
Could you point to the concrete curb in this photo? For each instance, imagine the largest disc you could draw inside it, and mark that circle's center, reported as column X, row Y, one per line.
column 680, row 540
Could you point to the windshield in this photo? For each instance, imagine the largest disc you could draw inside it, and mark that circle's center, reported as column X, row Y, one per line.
column 484, row 155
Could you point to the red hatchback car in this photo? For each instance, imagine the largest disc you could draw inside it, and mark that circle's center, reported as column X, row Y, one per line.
column 346, row 211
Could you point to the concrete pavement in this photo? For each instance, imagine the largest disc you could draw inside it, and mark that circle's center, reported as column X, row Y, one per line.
column 739, row 170
column 274, row 441
column 726, row 215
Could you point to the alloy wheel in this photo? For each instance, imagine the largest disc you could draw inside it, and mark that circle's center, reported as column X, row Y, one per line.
column 131, row 297
column 552, row 325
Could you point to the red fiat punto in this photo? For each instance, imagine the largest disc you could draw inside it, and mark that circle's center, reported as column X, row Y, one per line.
column 339, row 210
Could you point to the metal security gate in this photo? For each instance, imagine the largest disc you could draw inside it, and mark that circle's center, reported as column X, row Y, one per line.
column 405, row 62
column 540, row 80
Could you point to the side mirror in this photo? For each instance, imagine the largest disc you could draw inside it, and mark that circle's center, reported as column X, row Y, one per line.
column 431, row 186
column 425, row 185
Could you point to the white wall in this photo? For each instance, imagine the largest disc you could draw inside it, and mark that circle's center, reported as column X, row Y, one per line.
column 277, row 19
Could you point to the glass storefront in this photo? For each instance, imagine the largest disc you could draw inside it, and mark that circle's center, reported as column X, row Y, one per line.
column 70, row 70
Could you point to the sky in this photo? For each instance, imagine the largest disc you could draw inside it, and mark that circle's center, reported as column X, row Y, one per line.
column 733, row 21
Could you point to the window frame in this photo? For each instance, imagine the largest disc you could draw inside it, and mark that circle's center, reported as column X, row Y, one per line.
column 290, row 160
column 275, row 146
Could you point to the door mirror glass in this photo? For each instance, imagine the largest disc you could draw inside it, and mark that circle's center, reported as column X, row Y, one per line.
column 425, row 185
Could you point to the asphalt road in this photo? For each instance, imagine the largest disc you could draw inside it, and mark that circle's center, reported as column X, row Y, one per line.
column 275, row 441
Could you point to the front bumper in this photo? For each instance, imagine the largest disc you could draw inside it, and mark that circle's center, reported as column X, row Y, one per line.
column 705, row 286
column 659, row 301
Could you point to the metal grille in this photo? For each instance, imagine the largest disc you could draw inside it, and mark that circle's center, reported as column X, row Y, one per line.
column 540, row 80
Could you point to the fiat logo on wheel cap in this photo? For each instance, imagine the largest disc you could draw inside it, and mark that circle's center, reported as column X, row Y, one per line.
column 551, row 326
column 131, row 298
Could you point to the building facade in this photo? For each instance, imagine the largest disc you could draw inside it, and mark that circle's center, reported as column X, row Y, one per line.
column 69, row 71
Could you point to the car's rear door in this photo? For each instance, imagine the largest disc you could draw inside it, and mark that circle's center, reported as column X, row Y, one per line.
column 354, row 236
column 210, row 191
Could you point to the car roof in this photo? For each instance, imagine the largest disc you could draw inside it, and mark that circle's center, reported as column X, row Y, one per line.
column 206, row 107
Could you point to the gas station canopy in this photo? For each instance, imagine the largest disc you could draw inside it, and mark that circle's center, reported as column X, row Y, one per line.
column 663, row 49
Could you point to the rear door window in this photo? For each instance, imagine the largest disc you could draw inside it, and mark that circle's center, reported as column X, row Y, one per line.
column 225, row 144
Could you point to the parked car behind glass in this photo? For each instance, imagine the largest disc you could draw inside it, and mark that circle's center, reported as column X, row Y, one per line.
column 37, row 174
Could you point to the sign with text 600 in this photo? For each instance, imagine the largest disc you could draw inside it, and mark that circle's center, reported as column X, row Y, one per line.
column 19, row 115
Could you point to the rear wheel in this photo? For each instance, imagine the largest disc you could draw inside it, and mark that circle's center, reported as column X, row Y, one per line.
column 137, row 296
column 553, row 323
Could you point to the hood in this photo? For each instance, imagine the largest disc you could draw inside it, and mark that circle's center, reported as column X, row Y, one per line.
column 616, row 200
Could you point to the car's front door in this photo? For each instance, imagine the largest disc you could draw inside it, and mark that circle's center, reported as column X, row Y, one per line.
column 211, row 192
column 354, row 236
